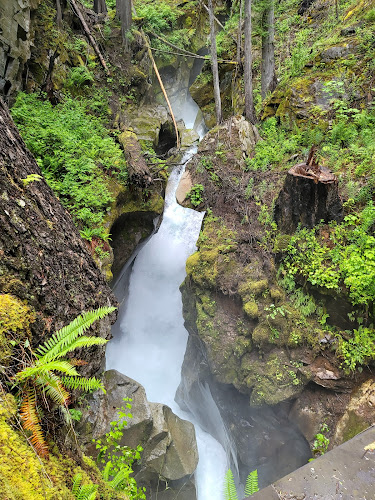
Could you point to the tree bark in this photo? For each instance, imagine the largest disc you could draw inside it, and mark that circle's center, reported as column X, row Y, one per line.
column 214, row 65
column 239, row 36
column 100, row 7
column 124, row 13
column 248, row 74
column 58, row 13
column 268, row 50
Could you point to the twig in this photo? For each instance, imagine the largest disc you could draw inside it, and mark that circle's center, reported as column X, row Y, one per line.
column 89, row 35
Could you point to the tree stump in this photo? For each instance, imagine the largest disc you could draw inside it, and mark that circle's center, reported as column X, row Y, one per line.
column 310, row 195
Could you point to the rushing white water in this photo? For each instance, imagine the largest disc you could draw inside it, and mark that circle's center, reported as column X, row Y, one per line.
column 152, row 341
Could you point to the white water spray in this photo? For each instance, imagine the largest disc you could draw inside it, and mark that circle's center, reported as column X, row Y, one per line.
column 151, row 343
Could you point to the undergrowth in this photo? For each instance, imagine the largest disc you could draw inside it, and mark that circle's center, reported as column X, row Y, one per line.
column 75, row 154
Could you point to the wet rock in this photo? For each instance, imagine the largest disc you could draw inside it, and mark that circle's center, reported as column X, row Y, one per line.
column 170, row 449
column 184, row 187
column 359, row 414
column 15, row 42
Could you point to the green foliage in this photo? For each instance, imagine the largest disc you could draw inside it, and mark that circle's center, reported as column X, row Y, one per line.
column 251, row 486
column 276, row 143
column 347, row 258
column 83, row 492
column 230, row 492
column 321, row 442
column 252, row 483
column 73, row 150
column 359, row 349
column 161, row 18
column 38, row 380
column 79, row 77
column 118, row 459
column 31, row 178
column 195, row 195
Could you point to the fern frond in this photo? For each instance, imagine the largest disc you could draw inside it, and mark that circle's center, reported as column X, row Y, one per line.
column 30, row 421
column 77, row 479
column 64, row 337
column 120, row 478
column 230, row 492
column 41, row 367
column 87, row 492
column 85, row 384
column 52, row 386
column 81, row 342
column 252, row 483
column 107, row 471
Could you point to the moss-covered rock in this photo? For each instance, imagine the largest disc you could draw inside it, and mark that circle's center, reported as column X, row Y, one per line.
column 251, row 309
column 24, row 476
column 15, row 319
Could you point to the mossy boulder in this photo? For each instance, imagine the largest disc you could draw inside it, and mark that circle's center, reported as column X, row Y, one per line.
column 251, row 309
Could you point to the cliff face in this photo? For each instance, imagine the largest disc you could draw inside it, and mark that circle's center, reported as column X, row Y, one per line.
column 15, row 42
column 44, row 262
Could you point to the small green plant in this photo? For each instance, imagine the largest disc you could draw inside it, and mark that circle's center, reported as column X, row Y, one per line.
column 83, row 491
column 195, row 195
column 118, row 459
column 75, row 414
column 79, row 77
column 321, row 442
column 31, row 178
column 251, row 487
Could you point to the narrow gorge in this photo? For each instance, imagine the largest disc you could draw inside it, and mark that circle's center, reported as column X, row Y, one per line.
column 228, row 259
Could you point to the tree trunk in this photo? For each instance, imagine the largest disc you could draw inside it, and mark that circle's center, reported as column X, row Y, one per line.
column 214, row 65
column 248, row 74
column 58, row 13
column 268, row 49
column 100, row 7
column 124, row 13
column 239, row 36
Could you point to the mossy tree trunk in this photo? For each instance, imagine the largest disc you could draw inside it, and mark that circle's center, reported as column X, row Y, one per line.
column 124, row 13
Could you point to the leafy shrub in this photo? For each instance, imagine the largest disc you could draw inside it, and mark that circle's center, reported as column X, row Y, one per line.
column 73, row 150
column 195, row 195
column 359, row 349
column 79, row 77
column 347, row 258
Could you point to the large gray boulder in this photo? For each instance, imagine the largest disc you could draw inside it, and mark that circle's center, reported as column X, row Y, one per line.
column 170, row 454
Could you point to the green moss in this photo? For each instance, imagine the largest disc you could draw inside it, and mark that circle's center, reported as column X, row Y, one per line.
column 15, row 319
column 354, row 426
column 24, row 476
column 276, row 294
column 251, row 309
column 242, row 345
column 253, row 287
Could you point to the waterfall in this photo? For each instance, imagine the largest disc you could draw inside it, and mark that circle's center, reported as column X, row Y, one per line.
column 149, row 337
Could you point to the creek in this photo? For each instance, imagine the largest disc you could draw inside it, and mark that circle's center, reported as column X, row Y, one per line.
column 149, row 337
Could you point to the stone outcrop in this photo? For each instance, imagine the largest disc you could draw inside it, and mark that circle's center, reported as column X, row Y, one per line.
column 15, row 42
column 170, row 453
column 43, row 259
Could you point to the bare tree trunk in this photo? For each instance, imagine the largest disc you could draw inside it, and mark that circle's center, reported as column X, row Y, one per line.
column 100, row 7
column 214, row 65
column 58, row 13
column 268, row 49
column 248, row 74
column 124, row 13
column 239, row 36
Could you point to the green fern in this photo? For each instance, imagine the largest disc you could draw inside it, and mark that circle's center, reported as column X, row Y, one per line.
column 63, row 340
column 40, row 377
column 252, row 483
column 83, row 492
column 230, row 492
